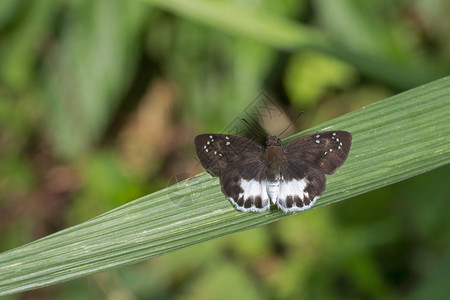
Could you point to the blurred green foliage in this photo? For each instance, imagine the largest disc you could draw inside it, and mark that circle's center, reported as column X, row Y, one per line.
column 100, row 101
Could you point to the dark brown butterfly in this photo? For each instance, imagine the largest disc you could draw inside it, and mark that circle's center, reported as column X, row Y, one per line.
column 291, row 176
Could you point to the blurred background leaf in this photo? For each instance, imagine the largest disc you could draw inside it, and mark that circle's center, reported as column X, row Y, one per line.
column 100, row 101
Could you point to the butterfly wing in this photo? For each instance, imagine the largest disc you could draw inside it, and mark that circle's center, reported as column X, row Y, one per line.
column 306, row 161
column 324, row 151
column 300, row 186
column 246, row 186
column 217, row 152
column 238, row 163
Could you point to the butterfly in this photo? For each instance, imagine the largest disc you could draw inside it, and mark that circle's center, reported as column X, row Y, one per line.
column 291, row 176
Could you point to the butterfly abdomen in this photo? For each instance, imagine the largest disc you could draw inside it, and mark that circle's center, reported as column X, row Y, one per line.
column 273, row 157
column 273, row 189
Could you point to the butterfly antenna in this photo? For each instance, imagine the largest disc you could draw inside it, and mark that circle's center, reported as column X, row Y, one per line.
column 298, row 116
column 255, row 128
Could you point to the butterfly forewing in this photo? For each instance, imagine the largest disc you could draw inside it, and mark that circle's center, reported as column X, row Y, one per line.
column 217, row 152
column 324, row 151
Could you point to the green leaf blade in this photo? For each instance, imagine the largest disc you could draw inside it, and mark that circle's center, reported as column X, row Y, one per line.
column 394, row 139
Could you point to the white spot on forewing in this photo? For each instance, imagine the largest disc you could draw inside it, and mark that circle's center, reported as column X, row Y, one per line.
column 210, row 136
column 215, row 152
column 318, row 136
column 227, row 137
column 317, row 141
column 334, row 133
column 227, row 143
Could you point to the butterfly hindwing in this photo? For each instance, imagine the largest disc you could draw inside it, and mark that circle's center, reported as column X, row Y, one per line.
column 300, row 187
column 245, row 186
column 324, row 151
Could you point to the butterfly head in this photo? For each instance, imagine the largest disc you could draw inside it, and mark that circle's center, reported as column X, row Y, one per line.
column 273, row 141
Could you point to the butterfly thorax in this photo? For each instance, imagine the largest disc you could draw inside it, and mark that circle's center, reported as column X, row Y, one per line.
column 273, row 141
column 272, row 158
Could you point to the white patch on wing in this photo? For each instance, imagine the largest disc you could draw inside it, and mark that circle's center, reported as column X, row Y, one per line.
column 251, row 189
column 275, row 192
column 294, row 188
column 296, row 208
